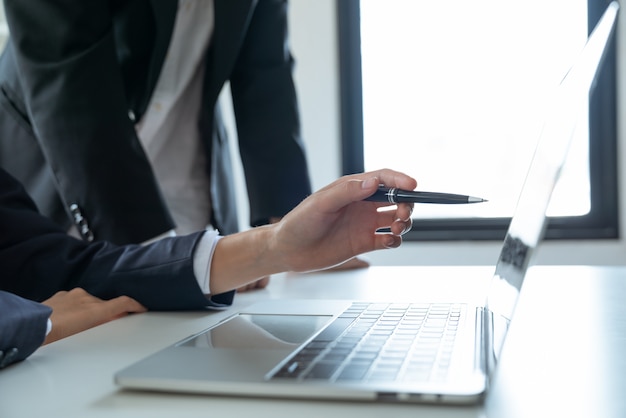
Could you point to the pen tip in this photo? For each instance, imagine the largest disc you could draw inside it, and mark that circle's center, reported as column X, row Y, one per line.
column 472, row 199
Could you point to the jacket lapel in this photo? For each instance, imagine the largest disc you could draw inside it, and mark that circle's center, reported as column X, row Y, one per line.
column 164, row 17
column 231, row 19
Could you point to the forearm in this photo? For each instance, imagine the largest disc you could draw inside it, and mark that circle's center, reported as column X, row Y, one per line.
column 244, row 257
column 160, row 276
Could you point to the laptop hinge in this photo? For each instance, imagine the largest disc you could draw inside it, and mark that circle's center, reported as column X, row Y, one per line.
column 491, row 329
column 485, row 359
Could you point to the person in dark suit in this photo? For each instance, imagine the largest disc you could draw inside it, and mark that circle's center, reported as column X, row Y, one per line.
column 109, row 130
column 26, row 325
column 200, row 270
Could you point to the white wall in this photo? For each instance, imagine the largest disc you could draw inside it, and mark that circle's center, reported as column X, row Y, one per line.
column 314, row 33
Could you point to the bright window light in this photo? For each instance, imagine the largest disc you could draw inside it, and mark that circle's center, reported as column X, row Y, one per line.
column 454, row 94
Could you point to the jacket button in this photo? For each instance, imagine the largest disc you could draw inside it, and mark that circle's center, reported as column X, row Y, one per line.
column 81, row 223
column 131, row 116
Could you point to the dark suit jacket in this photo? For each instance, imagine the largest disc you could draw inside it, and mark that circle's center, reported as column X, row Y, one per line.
column 76, row 76
column 38, row 259
column 22, row 327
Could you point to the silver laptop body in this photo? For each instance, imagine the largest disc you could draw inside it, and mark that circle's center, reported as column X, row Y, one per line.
column 339, row 349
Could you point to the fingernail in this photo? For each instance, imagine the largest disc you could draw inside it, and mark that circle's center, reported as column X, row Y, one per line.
column 389, row 242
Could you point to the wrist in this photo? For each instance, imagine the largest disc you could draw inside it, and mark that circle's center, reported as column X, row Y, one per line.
column 244, row 257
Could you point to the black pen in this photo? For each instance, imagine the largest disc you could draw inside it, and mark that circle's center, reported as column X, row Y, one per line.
column 393, row 195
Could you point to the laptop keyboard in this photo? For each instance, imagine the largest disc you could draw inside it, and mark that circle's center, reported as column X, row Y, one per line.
column 380, row 342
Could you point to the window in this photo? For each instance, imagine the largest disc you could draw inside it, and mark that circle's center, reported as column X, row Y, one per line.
column 461, row 86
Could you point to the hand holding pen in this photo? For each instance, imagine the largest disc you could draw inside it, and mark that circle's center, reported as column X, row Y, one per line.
column 394, row 195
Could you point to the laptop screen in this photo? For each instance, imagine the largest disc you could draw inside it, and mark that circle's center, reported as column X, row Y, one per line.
column 529, row 220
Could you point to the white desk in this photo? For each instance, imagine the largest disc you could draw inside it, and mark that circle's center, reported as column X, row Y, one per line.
column 565, row 356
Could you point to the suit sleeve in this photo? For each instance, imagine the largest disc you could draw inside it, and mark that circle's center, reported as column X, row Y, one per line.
column 266, row 111
column 39, row 259
column 75, row 98
column 22, row 327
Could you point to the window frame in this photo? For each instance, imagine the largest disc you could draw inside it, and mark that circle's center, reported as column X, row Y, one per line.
column 602, row 221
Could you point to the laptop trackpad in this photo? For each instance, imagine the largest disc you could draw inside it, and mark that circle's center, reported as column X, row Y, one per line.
column 244, row 347
column 259, row 331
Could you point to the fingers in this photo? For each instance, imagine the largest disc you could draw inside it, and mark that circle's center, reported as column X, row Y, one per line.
column 258, row 284
column 387, row 241
column 348, row 190
column 122, row 305
column 102, row 311
column 76, row 311
column 357, row 187
column 399, row 220
column 400, row 227
column 391, row 178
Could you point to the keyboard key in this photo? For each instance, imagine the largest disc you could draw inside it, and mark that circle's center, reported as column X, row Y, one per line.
column 323, row 370
column 334, row 330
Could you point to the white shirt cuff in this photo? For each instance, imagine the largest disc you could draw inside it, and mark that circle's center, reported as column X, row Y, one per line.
column 202, row 259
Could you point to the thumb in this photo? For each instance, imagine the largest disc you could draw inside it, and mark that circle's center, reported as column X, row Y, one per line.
column 344, row 192
column 361, row 189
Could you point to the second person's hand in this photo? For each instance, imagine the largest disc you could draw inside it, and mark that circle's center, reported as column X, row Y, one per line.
column 76, row 310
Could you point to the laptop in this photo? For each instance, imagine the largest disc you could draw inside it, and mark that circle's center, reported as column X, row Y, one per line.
column 397, row 352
